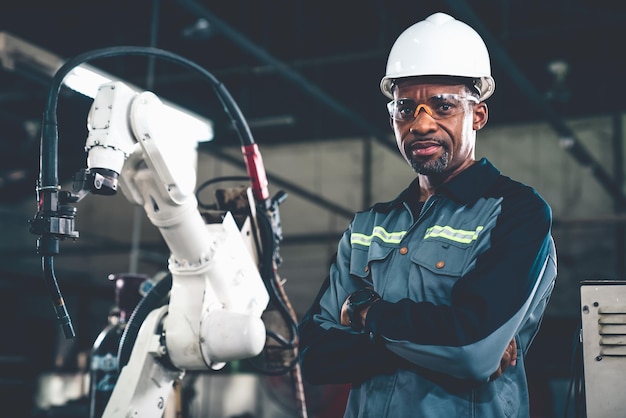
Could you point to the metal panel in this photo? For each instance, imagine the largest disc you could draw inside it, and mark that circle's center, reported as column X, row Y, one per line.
column 604, row 347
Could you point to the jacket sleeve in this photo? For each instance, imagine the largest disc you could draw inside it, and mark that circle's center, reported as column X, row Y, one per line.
column 338, row 357
column 502, row 296
column 330, row 353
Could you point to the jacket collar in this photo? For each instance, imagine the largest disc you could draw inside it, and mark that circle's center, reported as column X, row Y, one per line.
column 466, row 187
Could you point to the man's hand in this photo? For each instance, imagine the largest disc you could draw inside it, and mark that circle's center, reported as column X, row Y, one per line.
column 355, row 307
column 509, row 358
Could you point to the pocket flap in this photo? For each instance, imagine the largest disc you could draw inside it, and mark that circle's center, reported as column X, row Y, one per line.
column 361, row 258
column 440, row 257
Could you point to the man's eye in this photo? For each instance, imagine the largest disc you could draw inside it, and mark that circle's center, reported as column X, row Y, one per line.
column 445, row 107
column 405, row 109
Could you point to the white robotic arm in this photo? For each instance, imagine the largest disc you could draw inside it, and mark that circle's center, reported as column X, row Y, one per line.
column 217, row 295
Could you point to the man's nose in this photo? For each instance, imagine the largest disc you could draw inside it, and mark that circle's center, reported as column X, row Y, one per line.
column 421, row 107
column 423, row 121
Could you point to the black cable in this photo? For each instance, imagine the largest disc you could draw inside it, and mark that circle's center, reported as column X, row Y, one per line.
column 155, row 298
column 213, row 181
column 63, row 316
column 576, row 392
column 267, row 270
column 267, row 274
column 230, row 106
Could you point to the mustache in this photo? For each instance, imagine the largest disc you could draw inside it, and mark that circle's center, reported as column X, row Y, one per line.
column 426, row 142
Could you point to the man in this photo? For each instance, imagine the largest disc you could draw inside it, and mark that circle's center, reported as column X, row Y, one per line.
column 434, row 298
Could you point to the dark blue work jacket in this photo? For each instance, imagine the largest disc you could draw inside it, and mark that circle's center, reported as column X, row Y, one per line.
column 459, row 278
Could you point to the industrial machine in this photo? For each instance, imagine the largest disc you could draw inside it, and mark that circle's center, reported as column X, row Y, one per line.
column 222, row 265
column 603, row 336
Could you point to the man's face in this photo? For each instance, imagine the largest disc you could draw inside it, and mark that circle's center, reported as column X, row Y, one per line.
column 436, row 134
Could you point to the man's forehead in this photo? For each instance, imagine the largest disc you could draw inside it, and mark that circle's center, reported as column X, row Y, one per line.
column 452, row 85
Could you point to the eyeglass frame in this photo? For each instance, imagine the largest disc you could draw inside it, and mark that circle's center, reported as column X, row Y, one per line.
column 428, row 109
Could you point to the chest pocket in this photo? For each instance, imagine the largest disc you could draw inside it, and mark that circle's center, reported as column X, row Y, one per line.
column 367, row 262
column 436, row 266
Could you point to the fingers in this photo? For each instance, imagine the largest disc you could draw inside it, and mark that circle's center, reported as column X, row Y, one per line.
column 345, row 319
column 496, row 374
column 509, row 358
column 513, row 352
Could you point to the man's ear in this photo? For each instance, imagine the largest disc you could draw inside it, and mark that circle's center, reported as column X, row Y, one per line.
column 481, row 115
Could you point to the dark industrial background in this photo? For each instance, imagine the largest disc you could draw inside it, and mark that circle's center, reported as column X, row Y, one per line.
column 302, row 72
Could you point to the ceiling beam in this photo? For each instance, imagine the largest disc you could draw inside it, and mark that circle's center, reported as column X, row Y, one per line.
column 288, row 73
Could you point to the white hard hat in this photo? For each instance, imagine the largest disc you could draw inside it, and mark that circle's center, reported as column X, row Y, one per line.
column 440, row 45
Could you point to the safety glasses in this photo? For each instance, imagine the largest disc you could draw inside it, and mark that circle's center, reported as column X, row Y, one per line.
column 441, row 106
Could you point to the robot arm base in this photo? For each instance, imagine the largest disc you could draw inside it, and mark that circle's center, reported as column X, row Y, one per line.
column 144, row 384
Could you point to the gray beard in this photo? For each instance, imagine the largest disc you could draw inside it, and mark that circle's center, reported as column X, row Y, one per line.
column 432, row 167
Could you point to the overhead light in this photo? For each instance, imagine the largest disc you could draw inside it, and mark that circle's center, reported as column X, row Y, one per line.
column 18, row 55
column 560, row 92
column 199, row 31
column 85, row 80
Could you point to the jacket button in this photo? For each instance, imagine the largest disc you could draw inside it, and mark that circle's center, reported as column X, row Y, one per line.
column 367, row 268
column 440, row 264
column 404, row 250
